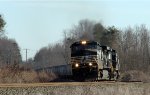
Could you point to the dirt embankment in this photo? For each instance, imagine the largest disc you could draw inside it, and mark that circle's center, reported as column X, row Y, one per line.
column 77, row 89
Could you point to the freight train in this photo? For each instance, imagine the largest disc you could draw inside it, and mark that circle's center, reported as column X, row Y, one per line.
column 90, row 60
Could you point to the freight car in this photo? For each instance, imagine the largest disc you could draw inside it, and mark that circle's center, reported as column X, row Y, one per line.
column 60, row 70
column 92, row 61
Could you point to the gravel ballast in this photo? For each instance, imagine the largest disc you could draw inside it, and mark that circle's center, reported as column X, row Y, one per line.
column 78, row 89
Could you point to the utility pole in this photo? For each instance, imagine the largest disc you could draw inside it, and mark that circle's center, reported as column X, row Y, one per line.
column 26, row 54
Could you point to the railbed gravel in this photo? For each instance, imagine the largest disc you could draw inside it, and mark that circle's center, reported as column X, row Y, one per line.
column 99, row 89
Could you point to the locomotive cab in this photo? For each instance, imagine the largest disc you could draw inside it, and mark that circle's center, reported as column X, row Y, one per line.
column 85, row 57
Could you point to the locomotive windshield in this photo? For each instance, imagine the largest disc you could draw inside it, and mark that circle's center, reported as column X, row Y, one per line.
column 79, row 49
column 83, row 47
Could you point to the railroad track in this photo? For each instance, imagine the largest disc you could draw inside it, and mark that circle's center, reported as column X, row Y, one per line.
column 62, row 84
column 48, row 84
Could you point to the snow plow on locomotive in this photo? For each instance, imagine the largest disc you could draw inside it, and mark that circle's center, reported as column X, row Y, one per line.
column 92, row 61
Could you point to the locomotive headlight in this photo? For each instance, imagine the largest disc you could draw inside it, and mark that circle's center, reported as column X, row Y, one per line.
column 90, row 64
column 76, row 65
column 83, row 42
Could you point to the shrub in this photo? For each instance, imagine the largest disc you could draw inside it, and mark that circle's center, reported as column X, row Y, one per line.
column 29, row 76
column 9, row 75
column 46, row 77
column 135, row 76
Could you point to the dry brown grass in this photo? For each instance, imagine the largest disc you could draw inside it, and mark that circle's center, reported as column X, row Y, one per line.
column 134, row 75
column 9, row 75
column 29, row 76
column 46, row 77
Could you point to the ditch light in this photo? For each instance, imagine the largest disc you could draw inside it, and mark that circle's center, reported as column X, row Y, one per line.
column 76, row 65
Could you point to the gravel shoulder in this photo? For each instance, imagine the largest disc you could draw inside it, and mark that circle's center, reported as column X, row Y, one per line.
column 76, row 88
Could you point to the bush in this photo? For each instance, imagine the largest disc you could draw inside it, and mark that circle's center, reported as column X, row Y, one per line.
column 9, row 75
column 135, row 76
column 46, row 77
column 126, row 77
column 29, row 76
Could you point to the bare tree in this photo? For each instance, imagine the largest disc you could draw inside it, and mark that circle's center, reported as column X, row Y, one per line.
column 52, row 55
column 135, row 48
column 9, row 52
column 2, row 24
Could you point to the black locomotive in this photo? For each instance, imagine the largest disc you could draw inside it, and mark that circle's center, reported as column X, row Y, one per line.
column 92, row 61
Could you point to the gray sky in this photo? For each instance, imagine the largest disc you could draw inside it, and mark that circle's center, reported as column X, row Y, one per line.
column 38, row 23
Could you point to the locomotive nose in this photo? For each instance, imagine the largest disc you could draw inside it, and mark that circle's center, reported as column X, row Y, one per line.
column 84, row 59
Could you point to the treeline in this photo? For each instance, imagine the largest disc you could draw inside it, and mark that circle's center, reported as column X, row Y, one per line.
column 131, row 43
column 9, row 49
column 134, row 49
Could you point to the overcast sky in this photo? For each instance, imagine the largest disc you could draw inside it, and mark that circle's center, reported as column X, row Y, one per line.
column 38, row 23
